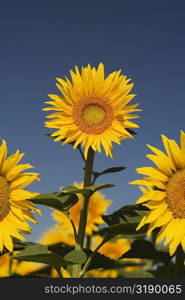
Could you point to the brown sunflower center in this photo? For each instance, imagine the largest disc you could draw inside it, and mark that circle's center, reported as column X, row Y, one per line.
column 4, row 198
column 176, row 194
column 93, row 116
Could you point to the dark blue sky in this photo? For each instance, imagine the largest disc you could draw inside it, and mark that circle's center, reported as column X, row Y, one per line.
column 41, row 40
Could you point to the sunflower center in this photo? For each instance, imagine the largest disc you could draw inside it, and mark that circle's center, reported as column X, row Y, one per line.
column 93, row 114
column 4, row 198
column 176, row 194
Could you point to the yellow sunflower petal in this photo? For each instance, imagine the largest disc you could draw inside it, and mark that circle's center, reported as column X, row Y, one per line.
column 3, row 153
column 19, row 194
column 152, row 195
column 152, row 172
column 11, row 161
column 90, row 106
column 22, row 180
column 8, row 242
column 14, row 209
column 164, row 219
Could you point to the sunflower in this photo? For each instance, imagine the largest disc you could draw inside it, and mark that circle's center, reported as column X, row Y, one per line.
column 64, row 272
column 55, row 235
column 4, row 265
column 97, row 207
column 164, row 195
column 113, row 249
column 25, row 268
column 92, row 110
column 15, row 209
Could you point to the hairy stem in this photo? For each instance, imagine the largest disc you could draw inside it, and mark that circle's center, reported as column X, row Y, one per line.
column 76, row 269
column 87, row 182
column 88, row 262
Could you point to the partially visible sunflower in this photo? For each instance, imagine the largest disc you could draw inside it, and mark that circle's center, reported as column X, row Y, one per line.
column 53, row 235
column 56, row 234
column 15, row 209
column 92, row 110
column 24, row 268
column 97, row 207
column 64, row 272
column 101, row 273
column 113, row 249
column 4, row 265
column 165, row 193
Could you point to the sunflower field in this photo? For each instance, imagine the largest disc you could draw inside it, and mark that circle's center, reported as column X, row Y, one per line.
column 91, row 113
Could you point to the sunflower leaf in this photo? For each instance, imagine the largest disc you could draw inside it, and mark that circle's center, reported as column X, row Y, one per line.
column 76, row 257
column 32, row 250
column 89, row 190
column 128, row 229
column 128, row 213
column 59, row 201
column 100, row 261
column 137, row 274
column 145, row 249
column 132, row 132
column 39, row 254
column 107, row 171
column 162, row 272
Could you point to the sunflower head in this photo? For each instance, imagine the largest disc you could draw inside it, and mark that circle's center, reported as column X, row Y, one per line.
column 4, row 265
column 24, row 268
column 57, row 234
column 15, row 209
column 114, row 249
column 165, row 192
column 98, row 206
column 92, row 109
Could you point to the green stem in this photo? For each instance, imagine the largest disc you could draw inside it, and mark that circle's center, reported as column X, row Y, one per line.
column 87, row 182
column 179, row 262
column 88, row 262
column 59, row 272
column 73, row 226
column 88, row 242
column 76, row 269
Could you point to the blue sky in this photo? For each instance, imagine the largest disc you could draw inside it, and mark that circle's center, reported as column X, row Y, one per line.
column 42, row 40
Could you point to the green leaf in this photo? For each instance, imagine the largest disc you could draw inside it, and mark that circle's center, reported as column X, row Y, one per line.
column 100, row 261
column 107, row 171
column 128, row 213
column 128, row 229
column 33, row 250
column 132, row 132
column 70, row 188
column 76, row 257
column 59, row 201
column 146, row 250
column 87, row 191
column 39, row 253
column 162, row 272
column 137, row 274
column 60, row 249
